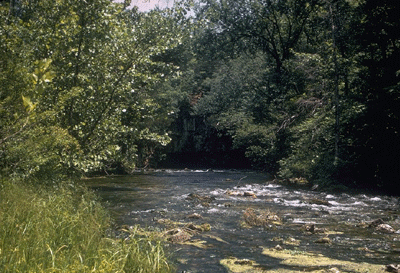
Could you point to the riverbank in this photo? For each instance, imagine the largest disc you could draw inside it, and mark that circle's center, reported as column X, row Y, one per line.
column 65, row 229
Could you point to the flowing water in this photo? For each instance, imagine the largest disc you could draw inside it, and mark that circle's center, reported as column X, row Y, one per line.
column 146, row 198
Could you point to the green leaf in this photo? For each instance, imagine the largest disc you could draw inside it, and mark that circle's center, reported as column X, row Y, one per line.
column 28, row 103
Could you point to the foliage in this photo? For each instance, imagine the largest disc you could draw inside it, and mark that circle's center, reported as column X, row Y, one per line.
column 274, row 27
column 305, row 88
column 88, row 75
column 301, row 88
column 64, row 230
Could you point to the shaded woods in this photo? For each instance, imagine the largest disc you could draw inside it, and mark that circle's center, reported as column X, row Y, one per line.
column 301, row 89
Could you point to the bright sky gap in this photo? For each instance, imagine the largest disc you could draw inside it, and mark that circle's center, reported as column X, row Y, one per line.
column 146, row 5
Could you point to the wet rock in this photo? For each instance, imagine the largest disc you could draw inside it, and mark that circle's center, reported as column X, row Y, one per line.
column 299, row 181
column 311, row 228
column 249, row 194
column 324, row 240
column 177, row 235
column 260, row 218
column 194, row 216
column 385, row 228
column 164, row 221
column 362, row 225
column 380, row 226
column 278, row 247
column 316, row 201
column 393, row 268
column 376, row 223
column 333, row 270
column 205, row 227
column 396, row 250
column 193, row 228
column 240, row 265
column 197, row 228
column 244, row 262
column 200, row 199
column 233, row 193
column 313, row 261
column 365, row 249
column 315, row 187
column 291, row 241
column 182, row 234
column 238, row 193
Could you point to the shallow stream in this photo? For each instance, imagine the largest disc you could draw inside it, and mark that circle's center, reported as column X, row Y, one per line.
column 146, row 198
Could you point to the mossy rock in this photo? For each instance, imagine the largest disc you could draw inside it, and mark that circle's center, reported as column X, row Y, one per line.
column 295, row 261
column 236, row 265
column 254, row 218
column 291, row 241
column 197, row 243
column 310, row 262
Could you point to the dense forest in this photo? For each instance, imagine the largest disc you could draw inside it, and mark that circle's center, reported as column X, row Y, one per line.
column 302, row 89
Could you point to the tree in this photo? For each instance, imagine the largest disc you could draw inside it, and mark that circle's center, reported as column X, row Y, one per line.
column 94, row 67
column 275, row 27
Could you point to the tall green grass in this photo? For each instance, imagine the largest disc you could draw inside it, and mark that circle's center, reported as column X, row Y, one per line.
column 64, row 230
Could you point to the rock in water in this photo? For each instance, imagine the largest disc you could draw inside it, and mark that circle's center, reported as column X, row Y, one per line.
column 194, row 216
column 393, row 268
column 244, row 262
column 324, row 240
column 385, row 228
column 376, row 223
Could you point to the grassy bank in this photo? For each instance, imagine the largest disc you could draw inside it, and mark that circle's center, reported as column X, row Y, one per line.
column 64, row 230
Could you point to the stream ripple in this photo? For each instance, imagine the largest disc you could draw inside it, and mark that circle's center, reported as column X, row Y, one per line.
column 145, row 198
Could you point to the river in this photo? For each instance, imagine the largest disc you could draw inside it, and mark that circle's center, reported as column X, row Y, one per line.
column 343, row 221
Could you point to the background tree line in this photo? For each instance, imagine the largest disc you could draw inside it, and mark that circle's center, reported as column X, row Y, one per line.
column 299, row 88
column 303, row 89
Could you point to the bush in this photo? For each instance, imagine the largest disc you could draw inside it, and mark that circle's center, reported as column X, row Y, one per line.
column 64, row 230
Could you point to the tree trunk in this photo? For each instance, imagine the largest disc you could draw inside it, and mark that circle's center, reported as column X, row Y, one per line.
column 336, row 89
